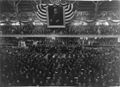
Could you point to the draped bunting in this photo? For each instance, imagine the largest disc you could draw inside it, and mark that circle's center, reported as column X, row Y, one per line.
column 42, row 12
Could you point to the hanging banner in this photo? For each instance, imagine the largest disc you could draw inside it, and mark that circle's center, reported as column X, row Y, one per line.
column 55, row 17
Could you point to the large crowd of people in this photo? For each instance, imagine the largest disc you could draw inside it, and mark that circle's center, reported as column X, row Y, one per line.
column 60, row 65
column 10, row 29
column 70, row 29
column 61, row 61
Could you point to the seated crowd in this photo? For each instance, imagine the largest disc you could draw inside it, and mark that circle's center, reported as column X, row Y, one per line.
column 70, row 29
column 60, row 65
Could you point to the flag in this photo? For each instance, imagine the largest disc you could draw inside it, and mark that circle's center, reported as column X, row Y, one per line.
column 42, row 12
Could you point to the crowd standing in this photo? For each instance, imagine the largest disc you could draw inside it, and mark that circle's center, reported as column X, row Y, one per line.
column 48, row 65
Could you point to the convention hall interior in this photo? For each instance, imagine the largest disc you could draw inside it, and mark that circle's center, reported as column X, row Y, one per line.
column 60, row 43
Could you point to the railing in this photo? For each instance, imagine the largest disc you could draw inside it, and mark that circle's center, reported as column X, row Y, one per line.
column 63, row 36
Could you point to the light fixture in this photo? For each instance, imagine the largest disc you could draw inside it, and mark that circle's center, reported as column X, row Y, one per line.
column 15, row 24
column 38, row 23
column 119, row 39
column 76, row 24
column 110, row 0
column 2, row 24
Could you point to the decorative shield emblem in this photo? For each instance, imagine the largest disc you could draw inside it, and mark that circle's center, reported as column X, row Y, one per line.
column 54, row 1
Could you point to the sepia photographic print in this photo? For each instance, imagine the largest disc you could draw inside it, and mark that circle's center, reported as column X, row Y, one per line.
column 55, row 43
